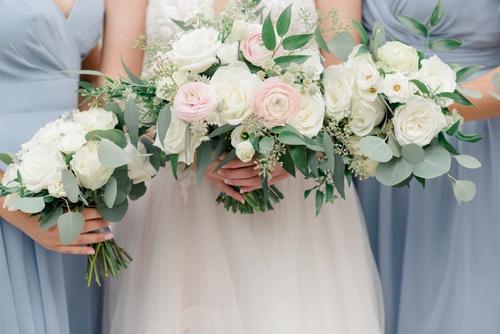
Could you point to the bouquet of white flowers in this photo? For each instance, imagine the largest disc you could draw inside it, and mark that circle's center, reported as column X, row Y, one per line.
column 79, row 161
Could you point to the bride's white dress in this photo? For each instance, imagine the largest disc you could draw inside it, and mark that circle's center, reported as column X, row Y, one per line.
column 200, row 270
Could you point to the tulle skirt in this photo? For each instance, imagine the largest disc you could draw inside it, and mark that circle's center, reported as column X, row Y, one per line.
column 201, row 270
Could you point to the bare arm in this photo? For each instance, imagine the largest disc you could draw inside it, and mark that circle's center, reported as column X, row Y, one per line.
column 487, row 106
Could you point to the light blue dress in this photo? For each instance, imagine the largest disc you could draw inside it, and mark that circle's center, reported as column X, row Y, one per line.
column 41, row 291
column 439, row 261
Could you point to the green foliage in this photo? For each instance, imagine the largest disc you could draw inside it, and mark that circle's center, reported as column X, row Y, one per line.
column 329, row 151
column 468, row 161
column 320, row 40
column 296, row 41
column 138, row 190
column 163, row 123
column 285, row 61
column 437, row 162
column 203, row 159
column 288, row 164
column 131, row 117
column 466, row 72
column 114, row 135
column 6, row 158
column 414, row 25
column 131, row 74
column 363, row 34
column 221, row 130
column 49, row 219
column 299, row 157
column 342, row 45
column 111, row 155
column 437, row 14
column 114, row 214
column 413, row 153
column 266, row 145
column 393, row 172
column 339, row 175
column 464, row 190
column 70, row 225
column 421, row 86
column 268, row 34
column 457, row 97
column 444, row 44
column 284, row 20
column 378, row 37
column 375, row 148
column 70, row 185
column 110, row 192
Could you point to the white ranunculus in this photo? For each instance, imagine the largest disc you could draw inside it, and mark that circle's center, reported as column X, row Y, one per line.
column 309, row 120
column 228, row 53
column 41, row 167
column 439, row 77
column 138, row 165
column 365, row 116
column 196, row 50
column 89, row 170
column 418, row 121
column 396, row 87
column 238, row 135
column 242, row 29
column 245, row 151
column 398, row 57
column 314, row 63
column 96, row 119
column 338, row 84
column 10, row 175
column 72, row 137
column 235, row 87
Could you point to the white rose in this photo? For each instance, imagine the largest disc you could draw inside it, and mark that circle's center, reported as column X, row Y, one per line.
column 396, row 87
column 72, row 137
column 309, row 119
column 196, row 50
column 354, row 59
column 235, row 87
column 367, row 78
column 10, row 175
column 56, row 189
column 245, row 151
column 40, row 167
column 175, row 141
column 96, row 119
column 242, row 29
column 238, row 135
column 228, row 53
column 338, row 84
column 89, row 170
column 365, row 116
column 313, row 64
column 139, row 167
column 398, row 57
column 49, row 134
column 439, row 77
column 418, row 121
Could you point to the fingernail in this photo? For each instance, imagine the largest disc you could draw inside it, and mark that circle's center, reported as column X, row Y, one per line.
column 108, row 236
column 226, row 181
column 90, row 251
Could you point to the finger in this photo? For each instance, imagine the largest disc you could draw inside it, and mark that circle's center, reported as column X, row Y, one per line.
column 239, row 173
column 76, row 250
column 274, row 180
column 238, row 164
column 92, row 238
column 93, row 225
column 255, row 181
column 230, row 191
column 90, row 214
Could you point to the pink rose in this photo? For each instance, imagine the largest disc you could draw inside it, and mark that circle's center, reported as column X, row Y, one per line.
column 276, row 102
column 194, row 102
column 253, row 49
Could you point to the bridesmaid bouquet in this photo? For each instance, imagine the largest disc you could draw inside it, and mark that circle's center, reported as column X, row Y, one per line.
column 81, row 160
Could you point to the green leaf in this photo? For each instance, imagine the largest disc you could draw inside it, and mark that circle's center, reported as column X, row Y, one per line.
column 203, row 159
column 221, row 130
column 378, row 37
column 416, row 26
column 363, row 34
column 329, row 192
column 299, row 157
column 227, row 159
column 464, row 190
column 114, row 135
column 496, row 81
column 444, row 44
column 395, row 147
column 70, row 225
column 266, row 145
column 268, row 35
column 6, row 158
column 124, row 184
column 285, row 61
column 393, row 172
column 291, row 138
column 89, row 72
column 320, row 40
column 163, row 123
column 70, row 185
column 131, row 74
column 296, row 41
column 183, row 25
column 467, row 138
column 457, row 97
column 329, row 151
column 29, row 204
column 375, row 148
column 446, row 144
column 466, row 72
column 437, row 162
column 468, row 161
column 288, row 164
column 131, row 117
column 115, row 214
column 342, row 45
column 110, row 154
column 320, row 199
column 312, row 162
column 338, row 175
column 284, row 20
column 110, row 192
column 307, row 193
column 413, row 153
column 421, row 86
column 437, row 14
column 138, row 190
column 469, row 92
column 50, row 219
column 453, row 129
column 362, row 50
column 174, row 158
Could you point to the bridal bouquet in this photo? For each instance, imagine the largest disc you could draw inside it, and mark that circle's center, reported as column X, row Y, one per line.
column 79, row 161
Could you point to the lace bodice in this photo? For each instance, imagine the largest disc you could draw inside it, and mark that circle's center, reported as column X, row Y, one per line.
column 160, row 12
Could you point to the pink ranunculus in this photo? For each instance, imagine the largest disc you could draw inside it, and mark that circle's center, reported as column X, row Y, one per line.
column 194, row 102
column 276, row 102
column 253, row 49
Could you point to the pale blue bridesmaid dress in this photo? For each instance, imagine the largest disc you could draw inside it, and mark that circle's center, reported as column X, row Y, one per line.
column 42, row 292
column 439, row 261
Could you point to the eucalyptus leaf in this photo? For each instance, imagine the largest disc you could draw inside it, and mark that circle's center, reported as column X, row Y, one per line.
column 437, row 162
column 285, row 61
column 131, row 74
column 320, row 40
column 413, row 153
column 414, row 25
column 70, row 225
column 468, row 161
column 70, row 185
column 342, row 45
column 114, row 135
column 375, row 148
column 50, row 219
column 284, row 20
column 110, row 192
column 393, row 172
column 291, row 138
column 437, row 14
column 296, row 42
column 266, row 145
column 115, row 214
column 288, row 164
column 131, row 117
column 329, row 151
column 466, row 72
column 111, row 155
column 363, row 34
column 29, row 204
column 378, row 37
column 203, row 159
column 299, row 157
column 138, row 190
column 268, row 35
column 338, row 175
column 395, row 147
column 320, row 200
column 163, row 123
column 464, row 190
column 221, row 130
column 444, row 44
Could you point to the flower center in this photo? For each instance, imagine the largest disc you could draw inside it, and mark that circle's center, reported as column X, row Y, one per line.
column 396, row 87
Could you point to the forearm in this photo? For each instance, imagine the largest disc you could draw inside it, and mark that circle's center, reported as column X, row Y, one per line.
column 485, row 107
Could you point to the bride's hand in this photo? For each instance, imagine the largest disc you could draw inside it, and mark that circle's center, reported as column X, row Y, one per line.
column 49, row 239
